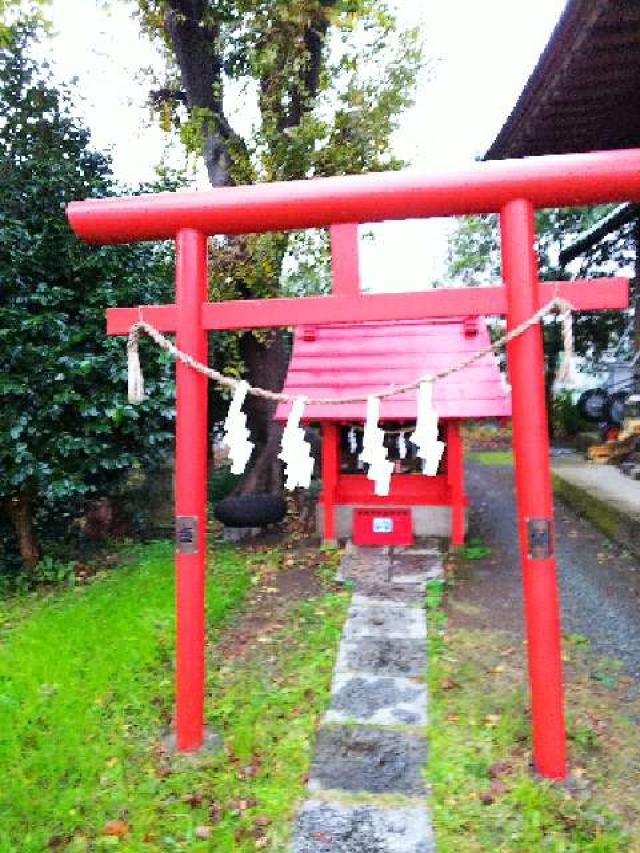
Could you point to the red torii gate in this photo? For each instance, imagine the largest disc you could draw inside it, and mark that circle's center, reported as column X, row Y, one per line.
column 511, row 188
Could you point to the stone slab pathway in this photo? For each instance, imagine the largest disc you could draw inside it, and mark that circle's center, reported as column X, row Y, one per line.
column 367, row 790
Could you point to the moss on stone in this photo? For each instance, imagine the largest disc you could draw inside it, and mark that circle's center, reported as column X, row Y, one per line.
column 604, row 516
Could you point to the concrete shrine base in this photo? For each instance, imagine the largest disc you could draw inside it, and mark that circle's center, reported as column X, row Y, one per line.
column 426, row 520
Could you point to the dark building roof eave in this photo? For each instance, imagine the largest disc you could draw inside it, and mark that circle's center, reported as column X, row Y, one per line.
column 583, row 93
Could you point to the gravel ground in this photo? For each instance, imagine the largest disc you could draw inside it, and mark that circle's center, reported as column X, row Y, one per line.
column 599, row 581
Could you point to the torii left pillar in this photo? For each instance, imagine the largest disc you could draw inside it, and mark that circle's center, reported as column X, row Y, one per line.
column 190, row 489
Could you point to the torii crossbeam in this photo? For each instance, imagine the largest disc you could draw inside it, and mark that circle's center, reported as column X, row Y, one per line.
column 514, row 189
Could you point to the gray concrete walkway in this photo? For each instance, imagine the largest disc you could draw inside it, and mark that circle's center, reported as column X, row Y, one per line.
column 366, row 785
column 599, row 580
column 601, row 493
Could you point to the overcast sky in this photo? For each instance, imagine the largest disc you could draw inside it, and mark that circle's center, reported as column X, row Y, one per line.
column 481, row 55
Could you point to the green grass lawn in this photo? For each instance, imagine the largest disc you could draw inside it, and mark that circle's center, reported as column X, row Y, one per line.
column 86, row 690
column 491, row 457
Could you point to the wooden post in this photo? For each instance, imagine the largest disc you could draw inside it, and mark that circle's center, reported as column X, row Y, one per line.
column 345, row 272
column 330, row 458
column 191, row 489
column 534, row 501
column 455, row 477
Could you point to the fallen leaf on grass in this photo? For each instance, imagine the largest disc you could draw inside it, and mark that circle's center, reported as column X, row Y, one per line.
column 193, row 800
column 215, row 812
column 116, row 828
column 242, row 805
column 59, row 842
column 495, row 791
column 248, row 772
column 499, row 768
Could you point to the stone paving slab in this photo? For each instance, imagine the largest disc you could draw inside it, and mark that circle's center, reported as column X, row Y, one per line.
column 414, row 565
column 363, row 758
column 336, row 828
column 360, row 600
column 418, row 550
column 417, row 578
column 419, row 569
column 372, row 740
column 359, row 567
column 369, row 699
column 382, row 656
column 435, row 572
column 389, row 620
column 402, row 592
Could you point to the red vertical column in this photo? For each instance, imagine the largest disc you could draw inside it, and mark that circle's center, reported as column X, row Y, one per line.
column 455, row 476
column 533, row 491
column 191, row 489
column 345, row 271
column 329, row 479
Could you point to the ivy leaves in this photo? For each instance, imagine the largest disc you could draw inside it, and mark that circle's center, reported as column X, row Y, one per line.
column 66, row 429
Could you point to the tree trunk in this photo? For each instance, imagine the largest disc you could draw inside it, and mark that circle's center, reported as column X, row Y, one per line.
column 20, row 512
column 267, row 365
column 196, row 38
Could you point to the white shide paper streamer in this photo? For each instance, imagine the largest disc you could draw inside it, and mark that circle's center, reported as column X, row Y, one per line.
column 295, row 450
column 236, row 435
column 374, row 453
column 425, row 437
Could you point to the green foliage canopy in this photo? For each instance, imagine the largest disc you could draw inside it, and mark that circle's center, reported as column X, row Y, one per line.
column 325, row 80
column 474, row 257
column 66, row 429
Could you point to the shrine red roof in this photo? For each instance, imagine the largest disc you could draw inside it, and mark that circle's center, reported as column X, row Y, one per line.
column 354, row 359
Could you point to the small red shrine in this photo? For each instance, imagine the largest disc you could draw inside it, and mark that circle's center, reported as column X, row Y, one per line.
column 362, row 358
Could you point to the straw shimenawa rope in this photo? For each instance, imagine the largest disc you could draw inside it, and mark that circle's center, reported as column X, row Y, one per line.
column 136, row 387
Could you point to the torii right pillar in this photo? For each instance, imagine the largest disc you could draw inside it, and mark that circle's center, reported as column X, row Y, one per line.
column 534, row 498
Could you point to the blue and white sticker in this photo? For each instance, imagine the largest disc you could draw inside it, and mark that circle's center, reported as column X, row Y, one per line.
column 383, row 525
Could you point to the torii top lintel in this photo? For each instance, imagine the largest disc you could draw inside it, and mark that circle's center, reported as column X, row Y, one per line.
column 549, row 181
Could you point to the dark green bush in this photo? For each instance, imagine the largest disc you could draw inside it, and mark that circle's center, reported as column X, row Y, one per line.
column 221, row 483
column 566, row 420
